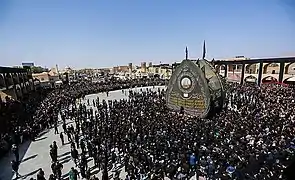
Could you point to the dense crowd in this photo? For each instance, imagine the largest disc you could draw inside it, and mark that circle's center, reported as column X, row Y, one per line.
column 26, row 118
column 16, row 116
column 252, row 138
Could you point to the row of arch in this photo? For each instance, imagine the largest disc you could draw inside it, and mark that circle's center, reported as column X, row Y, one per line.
column 249, row 67
column 10, row 79
column 280, row 68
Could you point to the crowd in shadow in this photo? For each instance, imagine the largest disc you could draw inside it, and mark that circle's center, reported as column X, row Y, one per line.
column 16, row 118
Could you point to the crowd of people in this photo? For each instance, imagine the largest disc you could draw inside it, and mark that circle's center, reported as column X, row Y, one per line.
column 16, row 117
column 25, row 119
column 251, row 138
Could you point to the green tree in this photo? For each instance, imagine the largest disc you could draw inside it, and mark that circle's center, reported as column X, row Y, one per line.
column 38, row 69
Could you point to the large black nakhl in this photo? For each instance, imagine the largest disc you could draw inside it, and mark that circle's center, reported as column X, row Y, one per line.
column 195, row 88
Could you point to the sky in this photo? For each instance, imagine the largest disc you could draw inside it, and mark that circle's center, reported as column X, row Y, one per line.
column 107, row 33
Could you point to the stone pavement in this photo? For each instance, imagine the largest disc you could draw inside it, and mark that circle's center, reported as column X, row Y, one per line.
column 35, row 154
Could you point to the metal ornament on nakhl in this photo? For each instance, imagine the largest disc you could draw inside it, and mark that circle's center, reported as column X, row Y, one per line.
column 188, row 88
column 215, row 85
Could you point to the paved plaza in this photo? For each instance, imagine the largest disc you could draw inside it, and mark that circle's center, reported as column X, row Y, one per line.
column 35, row 154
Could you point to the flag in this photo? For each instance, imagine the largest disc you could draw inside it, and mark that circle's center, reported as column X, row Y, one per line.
column 186, row 53
column 204, row 50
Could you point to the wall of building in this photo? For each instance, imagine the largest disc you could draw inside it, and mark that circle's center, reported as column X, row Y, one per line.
column 42, row 77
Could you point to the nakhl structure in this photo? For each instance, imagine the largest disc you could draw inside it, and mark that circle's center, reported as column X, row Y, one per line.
column 196, row 88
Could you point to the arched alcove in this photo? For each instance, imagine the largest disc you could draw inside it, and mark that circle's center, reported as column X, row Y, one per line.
column 251, row 68
column 9, row 79
column 274, row 67
column 15, row 78
column 269, row 79
column 2, row 81
column 287, row 67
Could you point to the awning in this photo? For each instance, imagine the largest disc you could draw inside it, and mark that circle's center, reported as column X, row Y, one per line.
column 250, row 79
column 292, row 79
column 58, row 82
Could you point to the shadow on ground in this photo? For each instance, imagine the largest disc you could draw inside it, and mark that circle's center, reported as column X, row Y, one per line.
column 65, row 176
column 64, row 154
column 44, row 132
column 64, row 158
column 95, row 172
column 29, row 174
column 40, row 139
column 5, row 162
column 65, row 161
column 28, row 158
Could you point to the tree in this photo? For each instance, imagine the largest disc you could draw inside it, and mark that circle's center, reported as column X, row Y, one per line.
column 38, row 69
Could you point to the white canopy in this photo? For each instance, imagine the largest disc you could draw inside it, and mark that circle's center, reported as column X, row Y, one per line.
column 292, row 79
column 58, row 82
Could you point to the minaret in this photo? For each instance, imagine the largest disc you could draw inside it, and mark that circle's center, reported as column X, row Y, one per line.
column 56, row 66
column 186, row 53
column 204, row 50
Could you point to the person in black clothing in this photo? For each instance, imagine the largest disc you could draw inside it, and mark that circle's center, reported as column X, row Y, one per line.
column 82, row 145
column 53, row 168
column 58, row 170
column 73, row 145
column 76, row 136
column 82, row 170
column 41, row 174
column 90, row 149
column 69, row 135
column 84, row 162
column 88, row 174
column 96, row 160
column 51, row 177
column 54, row 151
column 55, row 128
column 74, row 154
column 64, row 127
column 15, row 151
column 15, row 166
column 51, row 153
column 62, row 138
